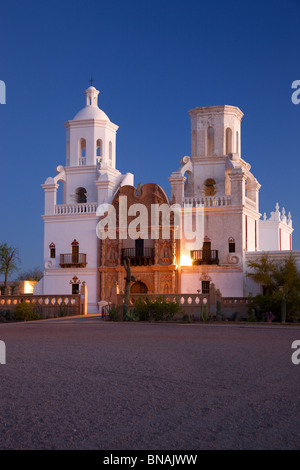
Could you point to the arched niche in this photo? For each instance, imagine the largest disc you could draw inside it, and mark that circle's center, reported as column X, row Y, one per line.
column 209, row 187
column 81, row 195
column 210, row 141
column 228, row 140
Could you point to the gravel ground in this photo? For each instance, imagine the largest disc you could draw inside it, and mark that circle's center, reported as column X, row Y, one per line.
column 86, row 384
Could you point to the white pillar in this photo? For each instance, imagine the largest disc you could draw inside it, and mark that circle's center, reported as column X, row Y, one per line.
column 50, row 190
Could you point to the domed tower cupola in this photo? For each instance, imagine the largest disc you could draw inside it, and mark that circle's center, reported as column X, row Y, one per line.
column 91, row 136
column 91, row 96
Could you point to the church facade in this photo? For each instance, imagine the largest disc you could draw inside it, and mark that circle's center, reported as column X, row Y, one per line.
column 214, row 185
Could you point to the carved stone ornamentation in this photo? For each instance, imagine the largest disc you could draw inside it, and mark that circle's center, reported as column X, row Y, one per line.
column 234, row 259
column 205, row 277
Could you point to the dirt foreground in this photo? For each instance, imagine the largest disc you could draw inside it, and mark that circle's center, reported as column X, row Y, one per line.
column 81, row 383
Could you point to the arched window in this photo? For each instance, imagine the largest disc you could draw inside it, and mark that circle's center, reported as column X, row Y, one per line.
column 210, row 141
column 110, row 151
column 99, row 152
column 81, row 197
column 82, row 152
column 188, row 184
column 228, row 140
column 209, row 187
column 139, row 287
column 231, row 245
column 60, row 195
column 193, row 143
column 237, row 143
column 99, row 148
column 52, row 250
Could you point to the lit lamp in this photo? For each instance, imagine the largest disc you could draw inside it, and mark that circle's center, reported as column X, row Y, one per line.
column 205, row 300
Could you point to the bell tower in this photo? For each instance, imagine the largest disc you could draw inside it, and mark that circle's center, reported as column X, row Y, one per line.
column 91, row 136
column 216, row 131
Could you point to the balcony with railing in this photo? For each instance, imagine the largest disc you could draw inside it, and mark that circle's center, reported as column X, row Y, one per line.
column 73, row 260
column 138, row 257
column 205, row 257
column 84, row 208
column 207, row 201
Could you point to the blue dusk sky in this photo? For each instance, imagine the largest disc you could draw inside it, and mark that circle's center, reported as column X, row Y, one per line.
column 152, row 61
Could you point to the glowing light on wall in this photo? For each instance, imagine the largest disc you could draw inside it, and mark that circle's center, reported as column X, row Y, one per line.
column 28, row 287
column 185, row 260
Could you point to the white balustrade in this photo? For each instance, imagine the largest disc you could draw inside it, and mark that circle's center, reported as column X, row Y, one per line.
column 207, row 201
column 85, row 208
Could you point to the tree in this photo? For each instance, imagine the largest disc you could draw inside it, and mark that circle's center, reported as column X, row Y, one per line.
column 34, row 274
column 281, row 281
column 128, row 279
column 9, row 260
column 262, row 271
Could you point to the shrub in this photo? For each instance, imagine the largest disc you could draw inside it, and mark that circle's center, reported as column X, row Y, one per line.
column 269, row 317
column 186, row 318
column 252, row 317
column 62, row 311
column 219, row 315
column 131, row 315
column 10, row 315
column 235, row 316
column 25, row 312
column 114, row 313
column 282, row 282
column 159, row 309
column 204, row 313
column 2, row 315
column 142, row 309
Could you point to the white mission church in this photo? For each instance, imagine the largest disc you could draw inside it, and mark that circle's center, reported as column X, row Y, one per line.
column 215, row 177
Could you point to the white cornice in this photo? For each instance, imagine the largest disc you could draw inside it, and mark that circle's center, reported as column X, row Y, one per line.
column 68, row 271
column 274, row 254
column 222, row 109
column 274, row 224
column 81, row 169
column 211, row 268
column 208, row 160
column 251, row 212
column 61, row 218
column 92, row 123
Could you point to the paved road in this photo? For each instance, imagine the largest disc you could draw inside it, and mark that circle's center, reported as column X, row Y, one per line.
column 87, row 384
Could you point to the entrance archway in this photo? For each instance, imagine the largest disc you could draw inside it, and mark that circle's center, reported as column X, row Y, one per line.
column 139, row 288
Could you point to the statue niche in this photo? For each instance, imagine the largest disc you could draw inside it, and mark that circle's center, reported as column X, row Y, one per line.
column 165, row 253
column 112, row 253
